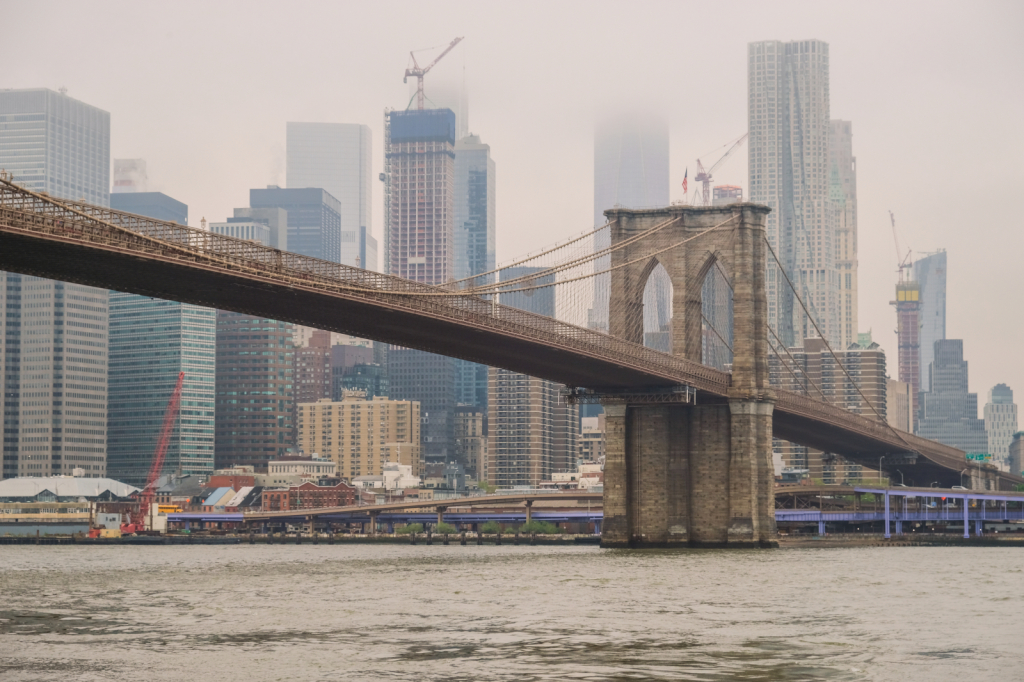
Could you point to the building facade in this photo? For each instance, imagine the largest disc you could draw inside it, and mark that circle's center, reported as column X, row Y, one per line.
column 53, row 335
column 1016, row 456
column 474, row 243
column 930, row 275
column 899, row 402
column 789, row 123
column 1000, row 424
column 314, row 219
column 313, row 368
column 843, row 196
column 337, row 157
column 361, row 435
column 470, row 432
column 419, row 241
column 155, row 205
column 255, row 392
column 949, row 411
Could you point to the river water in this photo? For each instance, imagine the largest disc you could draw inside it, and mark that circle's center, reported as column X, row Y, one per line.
column 399, row 612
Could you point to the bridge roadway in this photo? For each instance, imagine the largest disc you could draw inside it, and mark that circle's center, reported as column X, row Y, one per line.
column 78, row 242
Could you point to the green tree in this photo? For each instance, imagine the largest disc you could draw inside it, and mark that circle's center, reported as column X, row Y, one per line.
column 410, row 528
column 540, row 528
column 443, row 528
column 491, row 528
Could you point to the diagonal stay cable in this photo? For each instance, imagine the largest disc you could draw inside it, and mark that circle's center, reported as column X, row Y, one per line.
column 797, row 364
column 832, row 352
column 497, row 288
column 559, row 267
column 528, row 257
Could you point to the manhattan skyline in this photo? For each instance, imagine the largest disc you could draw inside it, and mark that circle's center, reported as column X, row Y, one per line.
column 925, row 122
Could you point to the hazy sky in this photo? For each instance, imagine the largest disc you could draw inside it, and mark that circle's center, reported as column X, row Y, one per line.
column 935, row 91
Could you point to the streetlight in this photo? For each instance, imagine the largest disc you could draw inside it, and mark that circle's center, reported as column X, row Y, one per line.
column 880, row 469
column 901, row 478
column 962, row 477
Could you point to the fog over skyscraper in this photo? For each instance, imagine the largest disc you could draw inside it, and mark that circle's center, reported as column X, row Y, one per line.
column 631, row 170
column 53, row 143
column 337, row 157
column 789, row 124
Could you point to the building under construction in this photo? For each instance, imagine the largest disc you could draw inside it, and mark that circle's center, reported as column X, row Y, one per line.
column 908, row 330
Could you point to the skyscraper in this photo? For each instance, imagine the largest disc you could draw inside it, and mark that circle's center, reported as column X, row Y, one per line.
column 789, row 124
column 151, row 341
column 314, row 219
column 930, row 274
column 419, row 194
column 843, row 196
column 56, row 360
column 419, row 217
column 474, row 239
column 949, row 412
column 1000, row 424
column 255, row 390
column 337, row 157
column 631, row 170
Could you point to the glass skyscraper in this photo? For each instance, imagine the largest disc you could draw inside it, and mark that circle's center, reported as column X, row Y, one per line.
column 474, row 238
column 949, row 411
column 54, row 334
column 789, row 125
column 336, row 157
column 151, row 341
column 930, row 274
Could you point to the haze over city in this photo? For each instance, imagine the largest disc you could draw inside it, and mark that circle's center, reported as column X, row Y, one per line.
column 202, row 93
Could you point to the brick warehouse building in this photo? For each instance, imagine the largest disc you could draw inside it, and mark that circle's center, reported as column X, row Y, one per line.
column 309, row 496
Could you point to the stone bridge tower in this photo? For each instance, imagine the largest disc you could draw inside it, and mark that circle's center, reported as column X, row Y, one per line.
column 700, row 474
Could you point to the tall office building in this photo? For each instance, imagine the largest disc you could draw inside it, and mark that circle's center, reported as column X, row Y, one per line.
column 843, row 195
column 949, row 411
column 930, row 274
column 312, row 378
column 419, row 221
column 631, row 170
column 908, row 339
column 314, row 219
column 151, row 341
column 1000, row 424
column 255, row 403
column 531, row 432
column 789, row 124
column 474, row 240
column 337, row 157
column 54, row 346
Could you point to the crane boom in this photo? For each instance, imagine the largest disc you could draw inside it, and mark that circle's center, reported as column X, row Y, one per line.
column 706, row 177
column 147, row 494
column 419, row 72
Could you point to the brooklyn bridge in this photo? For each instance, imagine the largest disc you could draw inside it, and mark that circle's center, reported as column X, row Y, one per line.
column 688, row 455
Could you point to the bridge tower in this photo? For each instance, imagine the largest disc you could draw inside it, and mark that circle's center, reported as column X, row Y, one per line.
column 692, row 474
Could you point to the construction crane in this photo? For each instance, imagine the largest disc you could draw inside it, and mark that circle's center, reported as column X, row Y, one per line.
column 137, row 518
column 902, row 261
column 419, row 72
column 705, row 175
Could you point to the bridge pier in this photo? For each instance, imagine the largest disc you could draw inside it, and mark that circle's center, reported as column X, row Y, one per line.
column 687, row 474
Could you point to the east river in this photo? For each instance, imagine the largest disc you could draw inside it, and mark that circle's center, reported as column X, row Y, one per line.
column 398, row 612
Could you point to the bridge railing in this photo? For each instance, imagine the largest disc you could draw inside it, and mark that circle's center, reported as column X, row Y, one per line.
column 180, row 242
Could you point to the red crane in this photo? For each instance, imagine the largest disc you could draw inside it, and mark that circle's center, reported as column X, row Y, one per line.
column 705, row 175
column 146, row 495
column 419, row 72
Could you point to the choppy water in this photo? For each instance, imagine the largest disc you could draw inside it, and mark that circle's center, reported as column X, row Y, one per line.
column 375, row 612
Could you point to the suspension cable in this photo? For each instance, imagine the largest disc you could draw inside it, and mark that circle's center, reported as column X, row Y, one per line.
column 832, row 352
